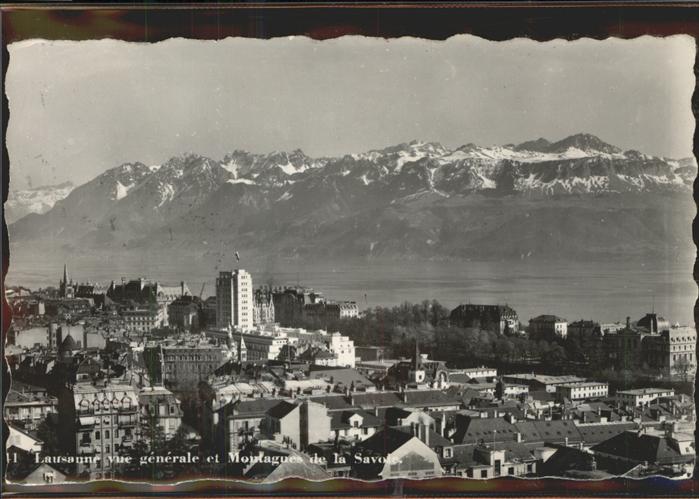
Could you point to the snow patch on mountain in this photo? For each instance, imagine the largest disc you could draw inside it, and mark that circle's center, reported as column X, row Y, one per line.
column 34, row 200
column 286, row 196
column 167, row 193
column 595, row 183
column 487, row 183
column 232, row 167
column 288, row 168
column 502, row 153
column 121, row 190
column 245, row 181
column 368, row 156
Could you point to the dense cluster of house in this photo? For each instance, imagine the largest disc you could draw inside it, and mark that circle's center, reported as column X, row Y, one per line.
column 649, row 343
column 141, row 305
column 264, row 401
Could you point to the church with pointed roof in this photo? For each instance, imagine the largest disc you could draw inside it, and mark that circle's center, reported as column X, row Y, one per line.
column 66, row 287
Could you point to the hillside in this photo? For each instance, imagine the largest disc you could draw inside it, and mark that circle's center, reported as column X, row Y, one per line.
column 575, row 197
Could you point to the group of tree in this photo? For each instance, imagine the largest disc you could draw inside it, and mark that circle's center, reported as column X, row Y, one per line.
column 153, row 441
column 399, row 327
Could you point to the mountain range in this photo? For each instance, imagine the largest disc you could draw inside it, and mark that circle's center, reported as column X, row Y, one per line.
column 578, row 197
column 34, row 200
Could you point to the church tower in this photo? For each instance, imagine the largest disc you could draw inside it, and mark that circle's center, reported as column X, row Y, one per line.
column 66, row 287
column 242, row 350
column 417, row 373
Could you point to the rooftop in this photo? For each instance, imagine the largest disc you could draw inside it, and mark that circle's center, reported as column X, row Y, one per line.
column 645, row 391
column 386, row 441
column 281, row 409
column 641, row 447
column 545, row 378
column 582, row 384
column 429, row 397
column 251, row 408
column 547, row 318
column 340, row 419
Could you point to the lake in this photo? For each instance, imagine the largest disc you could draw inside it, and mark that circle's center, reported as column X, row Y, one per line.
column 607, row 291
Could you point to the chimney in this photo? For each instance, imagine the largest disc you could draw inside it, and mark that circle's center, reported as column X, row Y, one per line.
column 59, row 336
column 181, row 288
column 426, row 434
column 443, row 425
column 628, row 322
column 84, row 337
column 566, row 441
column 519, row 437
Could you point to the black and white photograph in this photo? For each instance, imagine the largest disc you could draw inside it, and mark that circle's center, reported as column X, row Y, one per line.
column 362, row 258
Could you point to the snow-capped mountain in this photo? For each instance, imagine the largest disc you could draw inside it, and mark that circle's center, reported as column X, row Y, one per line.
column 417, row 198
column 34, row 200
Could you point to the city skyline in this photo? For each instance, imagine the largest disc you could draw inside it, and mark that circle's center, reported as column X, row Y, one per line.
column 142, row 376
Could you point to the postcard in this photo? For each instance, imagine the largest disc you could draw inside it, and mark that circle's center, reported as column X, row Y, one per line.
column 360, row 258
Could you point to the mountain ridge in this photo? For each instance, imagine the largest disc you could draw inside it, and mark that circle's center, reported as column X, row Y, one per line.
column 290, row 203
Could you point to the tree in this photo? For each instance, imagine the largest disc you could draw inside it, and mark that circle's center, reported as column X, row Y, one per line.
column 499, row 389
column 683, row 367
column 151, row 441
column 48, row 434
column 20, row 464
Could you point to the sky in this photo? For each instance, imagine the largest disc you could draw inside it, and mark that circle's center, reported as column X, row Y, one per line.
column 80, row 108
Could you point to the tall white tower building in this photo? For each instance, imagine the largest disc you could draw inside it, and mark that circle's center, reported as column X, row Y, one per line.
column 234, row 302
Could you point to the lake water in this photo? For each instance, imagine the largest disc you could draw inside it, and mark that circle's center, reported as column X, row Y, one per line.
column 606, row 292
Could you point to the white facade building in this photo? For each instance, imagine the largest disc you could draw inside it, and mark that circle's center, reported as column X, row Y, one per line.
column 144, row 319
column 642, row 396
column 479, row 372
column 261, row 346
column 343, row 348
column 234, row 300
column 583, row 390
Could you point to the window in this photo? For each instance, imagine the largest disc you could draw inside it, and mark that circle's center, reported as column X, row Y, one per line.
column 510, row 470
column 484, row 473
column 106, row 433
column 97, row 435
